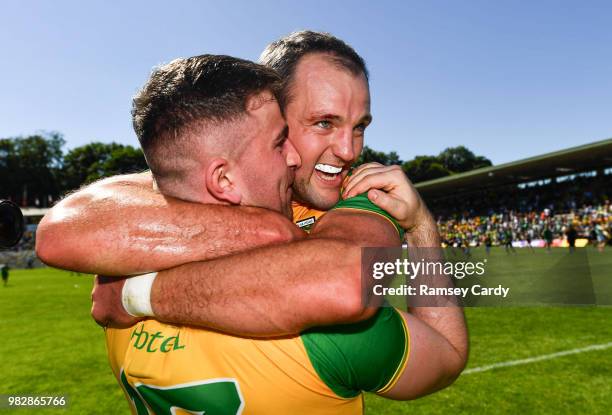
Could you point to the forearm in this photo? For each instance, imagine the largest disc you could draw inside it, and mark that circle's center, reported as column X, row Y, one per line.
column 268, row 292
column 123, row 227
column 278, row 290
column 425, row 233
column 448, row 321
column 438, row 332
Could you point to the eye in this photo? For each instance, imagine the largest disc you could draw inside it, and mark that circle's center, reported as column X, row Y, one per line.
column 324, row 124
column 361, row 128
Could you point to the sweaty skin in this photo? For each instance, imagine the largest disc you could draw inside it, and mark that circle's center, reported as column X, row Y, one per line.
column 326, row 135
column 123, row 226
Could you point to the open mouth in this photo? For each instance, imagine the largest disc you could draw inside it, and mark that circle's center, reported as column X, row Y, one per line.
column 328, row 173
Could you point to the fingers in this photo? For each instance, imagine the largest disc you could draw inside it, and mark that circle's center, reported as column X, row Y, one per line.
column 374, row 180
column 387, row 203
column 366, row 166
column 383, row 177
column 359, row 176
column 99, row 317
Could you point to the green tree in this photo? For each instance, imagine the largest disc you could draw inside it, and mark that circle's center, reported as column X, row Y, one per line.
column 96, row 160
column 9, row 187
column 30, row 168
column 368, row 155
column 460, row 159
column 78, row 162
column 423, row 168
column 123, row 159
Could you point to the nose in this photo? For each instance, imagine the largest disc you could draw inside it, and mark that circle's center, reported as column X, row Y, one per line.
column 292, row 157
column 343, row 145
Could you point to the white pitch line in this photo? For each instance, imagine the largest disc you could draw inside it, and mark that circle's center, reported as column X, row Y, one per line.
column 538, row 358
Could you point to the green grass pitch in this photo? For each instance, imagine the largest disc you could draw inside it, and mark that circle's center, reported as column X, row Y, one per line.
column 50, row 346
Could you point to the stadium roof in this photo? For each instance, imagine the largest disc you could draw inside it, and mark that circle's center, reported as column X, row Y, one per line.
column 588, row 157
column 34, row 211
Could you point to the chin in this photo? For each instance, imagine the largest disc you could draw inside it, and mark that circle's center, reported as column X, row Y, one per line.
column 325, row 199
column 315, row 197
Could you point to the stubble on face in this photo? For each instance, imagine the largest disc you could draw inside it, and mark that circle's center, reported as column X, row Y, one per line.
column 327, row 113
column 265, row 177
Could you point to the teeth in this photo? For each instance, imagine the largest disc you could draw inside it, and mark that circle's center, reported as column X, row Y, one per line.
column 326, row 168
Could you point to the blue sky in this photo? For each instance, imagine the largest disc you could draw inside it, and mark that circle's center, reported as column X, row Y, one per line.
column 507, row 79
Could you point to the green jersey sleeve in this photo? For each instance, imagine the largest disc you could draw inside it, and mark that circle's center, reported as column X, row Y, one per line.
column 361, row 202
column 365, row 356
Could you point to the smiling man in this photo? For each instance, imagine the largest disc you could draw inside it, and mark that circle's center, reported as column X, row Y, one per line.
column 326, row 104
column 329, row 111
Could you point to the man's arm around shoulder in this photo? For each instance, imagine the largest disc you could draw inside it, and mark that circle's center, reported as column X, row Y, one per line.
column 282, row 289
column 123, row 226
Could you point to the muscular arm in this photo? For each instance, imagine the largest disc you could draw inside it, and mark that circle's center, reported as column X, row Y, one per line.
column 435, row 341
column 122, row 226
column 444, row 326
column 438, row 335
column 433, row 363
column 277, row 290
column 449, row 322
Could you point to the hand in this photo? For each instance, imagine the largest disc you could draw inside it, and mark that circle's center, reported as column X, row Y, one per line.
column 107, row 308
column 390, row 189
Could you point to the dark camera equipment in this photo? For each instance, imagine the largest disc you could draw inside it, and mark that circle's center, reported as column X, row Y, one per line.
column 11, row 224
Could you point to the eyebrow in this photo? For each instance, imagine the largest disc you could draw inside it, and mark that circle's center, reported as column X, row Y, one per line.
column 333, row 117
column 325, row 116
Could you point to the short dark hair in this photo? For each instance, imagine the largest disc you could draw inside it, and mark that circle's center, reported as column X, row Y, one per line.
column 205, row 88
column 284, row 54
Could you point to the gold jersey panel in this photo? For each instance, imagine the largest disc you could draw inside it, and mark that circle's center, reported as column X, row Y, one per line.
column 270, row 376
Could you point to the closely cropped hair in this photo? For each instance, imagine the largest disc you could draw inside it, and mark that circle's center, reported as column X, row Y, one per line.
column 284, row 54
column 205, row 88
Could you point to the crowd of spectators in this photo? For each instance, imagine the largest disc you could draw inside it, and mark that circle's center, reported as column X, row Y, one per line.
column 547, row 211
column 593, row 223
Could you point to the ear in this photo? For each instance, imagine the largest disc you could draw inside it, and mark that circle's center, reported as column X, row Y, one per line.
column 220, row 182
column 256, row 101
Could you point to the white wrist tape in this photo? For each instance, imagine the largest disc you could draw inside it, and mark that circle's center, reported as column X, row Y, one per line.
column 136, row 295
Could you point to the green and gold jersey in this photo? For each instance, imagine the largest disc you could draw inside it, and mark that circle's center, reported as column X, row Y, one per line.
column 167, row 369
column 305, row 217
column 176, row 369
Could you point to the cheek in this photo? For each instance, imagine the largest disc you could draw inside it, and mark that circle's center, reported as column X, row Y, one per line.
column 309, row 146
column 271, row 170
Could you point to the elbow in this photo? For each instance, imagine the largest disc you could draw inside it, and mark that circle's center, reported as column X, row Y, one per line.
column 57, row 243
column 48, row 242
column 459, row 364
column 44, row 244
column 455, row 365
column 278, row 229
column 461, row 348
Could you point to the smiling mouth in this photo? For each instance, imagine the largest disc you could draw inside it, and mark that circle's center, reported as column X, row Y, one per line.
column 328, row 172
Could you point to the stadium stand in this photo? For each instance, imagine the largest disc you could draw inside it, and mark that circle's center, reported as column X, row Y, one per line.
column 522, row 199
